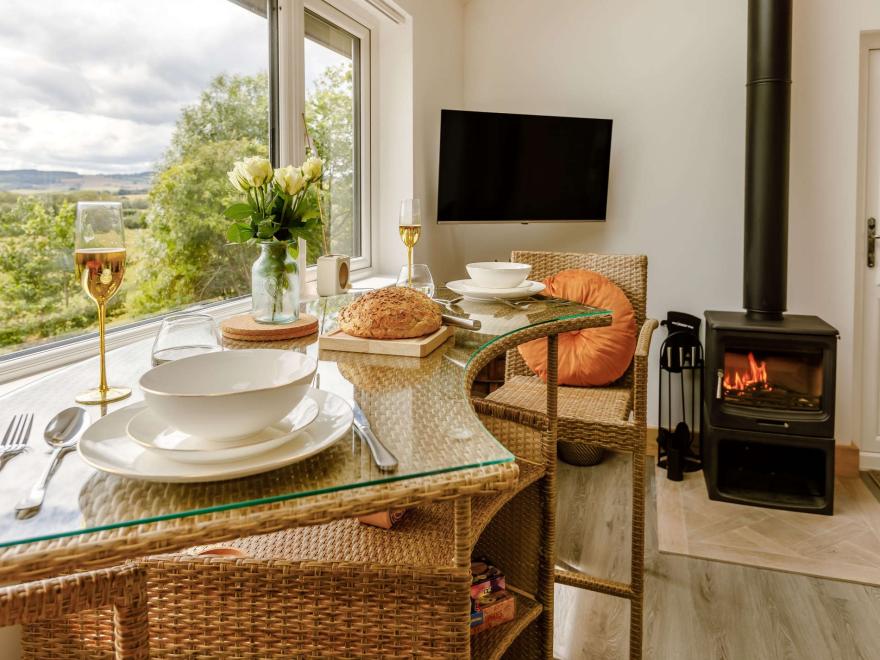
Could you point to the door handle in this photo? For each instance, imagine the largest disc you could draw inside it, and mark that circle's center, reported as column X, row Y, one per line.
column 872, row 239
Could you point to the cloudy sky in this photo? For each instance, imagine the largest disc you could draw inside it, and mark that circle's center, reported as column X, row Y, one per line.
column 95, row 86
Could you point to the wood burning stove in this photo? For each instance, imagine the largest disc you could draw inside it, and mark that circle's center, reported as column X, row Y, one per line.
column 768, row 422
column 768, row 429
column 771, row 376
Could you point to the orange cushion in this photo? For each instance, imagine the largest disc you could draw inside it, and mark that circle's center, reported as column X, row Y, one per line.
column 595, row 356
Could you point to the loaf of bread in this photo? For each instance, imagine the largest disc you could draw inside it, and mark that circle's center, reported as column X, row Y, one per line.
column 391, row 313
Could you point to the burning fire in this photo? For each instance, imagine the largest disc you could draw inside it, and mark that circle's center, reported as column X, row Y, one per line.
column 754, row 378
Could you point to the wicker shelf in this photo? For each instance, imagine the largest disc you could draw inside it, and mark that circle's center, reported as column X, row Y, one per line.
column 420, row 539
column 492, row 643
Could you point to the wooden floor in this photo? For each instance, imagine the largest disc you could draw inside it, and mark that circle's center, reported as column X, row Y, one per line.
column 845, row 546
column 694, row 609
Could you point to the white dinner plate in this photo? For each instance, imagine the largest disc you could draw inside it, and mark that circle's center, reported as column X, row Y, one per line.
column 471, row 291
column 146, row 429
column 106, row 446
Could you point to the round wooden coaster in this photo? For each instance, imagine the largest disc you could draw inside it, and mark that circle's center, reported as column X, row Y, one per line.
column 244, row 328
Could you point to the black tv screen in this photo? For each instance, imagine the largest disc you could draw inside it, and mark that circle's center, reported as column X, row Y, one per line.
column 503, row 167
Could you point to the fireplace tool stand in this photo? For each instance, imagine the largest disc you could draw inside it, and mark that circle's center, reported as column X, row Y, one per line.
column 681, row 369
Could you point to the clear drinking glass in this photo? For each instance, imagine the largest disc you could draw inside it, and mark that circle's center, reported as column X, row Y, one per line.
column 410, row 228
column 99, row 261
column 418, row 278
column 183, row 335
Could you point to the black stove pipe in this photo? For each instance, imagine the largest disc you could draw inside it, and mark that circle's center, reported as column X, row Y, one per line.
column 768, row 111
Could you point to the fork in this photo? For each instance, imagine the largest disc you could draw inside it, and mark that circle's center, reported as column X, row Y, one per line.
column 18, row 433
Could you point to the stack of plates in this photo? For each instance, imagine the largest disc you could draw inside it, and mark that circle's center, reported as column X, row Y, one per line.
column 472, row 291
column 141, row 441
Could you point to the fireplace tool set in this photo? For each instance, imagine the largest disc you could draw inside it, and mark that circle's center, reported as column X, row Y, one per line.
column 681, row 387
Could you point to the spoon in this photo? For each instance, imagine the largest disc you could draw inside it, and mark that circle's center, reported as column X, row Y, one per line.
column 62, row 433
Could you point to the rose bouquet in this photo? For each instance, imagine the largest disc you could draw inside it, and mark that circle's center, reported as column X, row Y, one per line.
column 280, row 207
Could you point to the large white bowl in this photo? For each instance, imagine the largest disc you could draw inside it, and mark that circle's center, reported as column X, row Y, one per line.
column 498, row 274
column 229, row 394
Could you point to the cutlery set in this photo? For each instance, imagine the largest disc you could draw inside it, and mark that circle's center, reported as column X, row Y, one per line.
column 61, row 434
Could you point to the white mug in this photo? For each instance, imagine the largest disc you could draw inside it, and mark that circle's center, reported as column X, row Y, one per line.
column 333, row 274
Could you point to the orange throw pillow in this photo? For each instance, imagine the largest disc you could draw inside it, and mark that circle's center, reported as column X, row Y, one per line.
column 595, row 356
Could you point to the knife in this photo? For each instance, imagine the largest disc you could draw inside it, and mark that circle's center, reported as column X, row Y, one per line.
column 383, row 458
column 461, row 322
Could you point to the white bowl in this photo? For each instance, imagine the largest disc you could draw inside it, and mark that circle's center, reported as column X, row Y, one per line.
column 498, row 274
column 229, row 394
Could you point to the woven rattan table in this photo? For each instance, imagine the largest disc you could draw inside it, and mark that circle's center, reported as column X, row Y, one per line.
column 420, row 408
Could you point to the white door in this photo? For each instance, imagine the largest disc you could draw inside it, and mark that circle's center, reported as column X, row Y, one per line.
column 870, row 440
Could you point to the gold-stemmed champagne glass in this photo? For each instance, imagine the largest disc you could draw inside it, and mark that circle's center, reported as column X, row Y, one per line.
column 410, row 229
column 99, row 259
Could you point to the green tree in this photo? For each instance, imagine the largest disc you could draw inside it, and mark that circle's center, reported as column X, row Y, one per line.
column 186, row 255
column 232, row 108
column 35, row 255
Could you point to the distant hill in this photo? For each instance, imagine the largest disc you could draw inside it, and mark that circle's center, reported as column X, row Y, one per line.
column 31, row 181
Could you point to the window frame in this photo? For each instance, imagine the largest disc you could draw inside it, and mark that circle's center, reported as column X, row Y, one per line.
column 292, row 98
column 286, row 54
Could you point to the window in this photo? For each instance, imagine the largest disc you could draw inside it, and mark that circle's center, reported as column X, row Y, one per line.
column 147, row 103
column 150, row 104
column 336, row 113
column 331, row 116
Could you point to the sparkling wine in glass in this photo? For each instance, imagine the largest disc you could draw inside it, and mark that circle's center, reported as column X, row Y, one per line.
column 410, row 229
column 99, row 259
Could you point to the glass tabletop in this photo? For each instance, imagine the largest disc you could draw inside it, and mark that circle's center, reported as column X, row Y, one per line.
column 416, row 406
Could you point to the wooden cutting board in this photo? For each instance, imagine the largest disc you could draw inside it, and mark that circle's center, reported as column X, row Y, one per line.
column 416, row 347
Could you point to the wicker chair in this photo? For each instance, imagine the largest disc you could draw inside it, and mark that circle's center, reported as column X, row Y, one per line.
column 592, row 420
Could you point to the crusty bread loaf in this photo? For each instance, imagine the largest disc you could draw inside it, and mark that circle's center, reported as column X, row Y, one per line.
column 391, row 313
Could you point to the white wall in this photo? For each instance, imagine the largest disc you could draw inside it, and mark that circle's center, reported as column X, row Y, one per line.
column 421, row 72
column 824, row 143
column 671, row 75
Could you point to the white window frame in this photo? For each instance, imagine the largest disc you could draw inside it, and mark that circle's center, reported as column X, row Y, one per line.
column 291, row 73
column 348, row 15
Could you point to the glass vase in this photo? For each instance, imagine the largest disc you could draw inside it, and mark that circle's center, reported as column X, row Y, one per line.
column 275, row 284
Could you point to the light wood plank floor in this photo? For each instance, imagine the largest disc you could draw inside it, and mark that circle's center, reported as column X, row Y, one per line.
column 694, row 609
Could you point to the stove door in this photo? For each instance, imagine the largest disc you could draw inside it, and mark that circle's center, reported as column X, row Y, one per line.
column 771, row 383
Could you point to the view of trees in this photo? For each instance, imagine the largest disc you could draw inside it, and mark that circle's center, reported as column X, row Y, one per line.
column 177, row 253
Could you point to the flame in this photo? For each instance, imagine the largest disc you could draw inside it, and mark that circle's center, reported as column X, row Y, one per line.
column 754, row 378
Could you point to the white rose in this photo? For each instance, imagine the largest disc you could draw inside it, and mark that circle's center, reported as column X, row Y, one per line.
column 254, row 170
column 237, row 182
column 289, row 179
column 312, row 168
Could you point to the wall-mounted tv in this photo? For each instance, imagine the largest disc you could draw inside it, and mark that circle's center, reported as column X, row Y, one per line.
column 498, row 167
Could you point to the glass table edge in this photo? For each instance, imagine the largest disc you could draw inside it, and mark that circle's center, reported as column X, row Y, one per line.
column 510, row 458
column 595, row 312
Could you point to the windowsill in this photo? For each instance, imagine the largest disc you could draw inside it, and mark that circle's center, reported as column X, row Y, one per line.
column 21, row 369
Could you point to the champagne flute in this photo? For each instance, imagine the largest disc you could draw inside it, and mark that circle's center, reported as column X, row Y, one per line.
column 410, row 229
column 99, row 259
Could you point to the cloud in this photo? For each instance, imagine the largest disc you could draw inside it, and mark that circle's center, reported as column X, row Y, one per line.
column 96, row 85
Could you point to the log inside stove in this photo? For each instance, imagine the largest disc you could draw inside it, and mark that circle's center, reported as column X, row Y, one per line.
column 792, row 382
column 760, row 395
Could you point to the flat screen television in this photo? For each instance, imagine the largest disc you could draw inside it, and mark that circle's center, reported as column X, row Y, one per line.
column 498, row 167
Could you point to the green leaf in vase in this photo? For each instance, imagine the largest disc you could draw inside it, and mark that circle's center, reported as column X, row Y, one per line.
column 266, row 228
column 239, row 233
column 239, row 211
